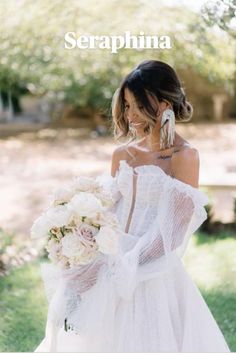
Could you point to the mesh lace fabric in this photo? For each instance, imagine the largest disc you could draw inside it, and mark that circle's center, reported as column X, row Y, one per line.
column 181, row 221
column 98, row 299
column 178, row 212
column 134, row 184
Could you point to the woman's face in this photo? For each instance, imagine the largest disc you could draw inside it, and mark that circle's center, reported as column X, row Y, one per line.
column 135, row 115
column 132, row 111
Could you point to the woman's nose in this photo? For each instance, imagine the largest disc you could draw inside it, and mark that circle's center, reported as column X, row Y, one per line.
column 132, row 114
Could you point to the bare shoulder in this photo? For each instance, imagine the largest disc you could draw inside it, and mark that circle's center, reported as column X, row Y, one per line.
column 118, row 154
column 185, row 166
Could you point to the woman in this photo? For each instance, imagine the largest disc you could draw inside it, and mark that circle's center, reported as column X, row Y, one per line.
column 143, row 300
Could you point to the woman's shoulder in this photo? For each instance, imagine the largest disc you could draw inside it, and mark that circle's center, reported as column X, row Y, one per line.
column 125, row 151
column 185, row 165
column 122, row 152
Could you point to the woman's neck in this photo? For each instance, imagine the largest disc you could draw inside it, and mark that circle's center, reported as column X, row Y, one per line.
column 152, row 142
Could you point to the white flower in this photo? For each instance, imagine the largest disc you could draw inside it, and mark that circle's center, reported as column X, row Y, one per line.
column 54, row 254
column 53, row 217
column 54, row 249
column 85, row 258
column 71, row 246
column 40, row 227
column 105, row 197
column 85, row 204
column 59, row 216
column 107, row 240
column 106, row 218
column 84, row 184
column 61, row 195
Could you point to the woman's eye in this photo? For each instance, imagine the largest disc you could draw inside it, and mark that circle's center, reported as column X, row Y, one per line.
column 140, row 107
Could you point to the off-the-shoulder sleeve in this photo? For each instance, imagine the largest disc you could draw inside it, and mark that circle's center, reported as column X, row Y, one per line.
column 180, row 212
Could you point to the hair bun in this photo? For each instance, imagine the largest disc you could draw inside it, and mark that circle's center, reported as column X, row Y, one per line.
column 185, row 110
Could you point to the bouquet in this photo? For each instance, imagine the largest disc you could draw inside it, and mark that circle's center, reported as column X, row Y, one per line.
column 78, row 225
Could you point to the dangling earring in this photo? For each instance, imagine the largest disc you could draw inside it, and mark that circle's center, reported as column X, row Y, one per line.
column 167, row 130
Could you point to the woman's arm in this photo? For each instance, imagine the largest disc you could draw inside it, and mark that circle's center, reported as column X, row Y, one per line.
column 117, row 155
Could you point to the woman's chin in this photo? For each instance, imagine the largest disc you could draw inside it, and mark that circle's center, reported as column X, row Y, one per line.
column 137, row 127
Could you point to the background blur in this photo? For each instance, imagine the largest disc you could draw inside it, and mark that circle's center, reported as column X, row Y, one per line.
column 55, row 123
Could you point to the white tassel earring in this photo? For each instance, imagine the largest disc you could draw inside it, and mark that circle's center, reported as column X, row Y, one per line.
column 167, row 130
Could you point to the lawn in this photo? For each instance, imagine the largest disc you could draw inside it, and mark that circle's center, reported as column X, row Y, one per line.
column 23, row 308
column 212, row 264
column 210, row 261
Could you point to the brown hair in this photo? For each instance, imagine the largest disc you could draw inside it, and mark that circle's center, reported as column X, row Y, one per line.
column 154, row 79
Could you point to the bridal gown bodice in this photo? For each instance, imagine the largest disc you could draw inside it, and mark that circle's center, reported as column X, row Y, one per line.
column 138, row 190
column 140, row 196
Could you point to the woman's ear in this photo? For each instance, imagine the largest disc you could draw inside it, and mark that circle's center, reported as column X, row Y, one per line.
column 163, row 105
column 168, row 104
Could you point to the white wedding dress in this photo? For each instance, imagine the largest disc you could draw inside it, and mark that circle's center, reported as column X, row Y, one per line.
column 145, row 301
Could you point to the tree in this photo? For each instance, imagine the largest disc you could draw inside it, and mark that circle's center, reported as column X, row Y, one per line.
column 222, row 13
column 32, row 53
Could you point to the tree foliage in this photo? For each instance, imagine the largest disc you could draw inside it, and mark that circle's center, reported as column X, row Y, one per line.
column 32, row 53
column 221, row 13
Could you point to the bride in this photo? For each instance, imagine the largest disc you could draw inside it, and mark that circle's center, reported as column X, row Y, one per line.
column 144, row 300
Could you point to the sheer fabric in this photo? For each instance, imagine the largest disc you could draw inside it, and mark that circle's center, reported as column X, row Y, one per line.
column 142, row 299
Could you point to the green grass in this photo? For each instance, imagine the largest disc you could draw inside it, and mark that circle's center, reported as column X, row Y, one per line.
column 23, row 308
column 210, row 261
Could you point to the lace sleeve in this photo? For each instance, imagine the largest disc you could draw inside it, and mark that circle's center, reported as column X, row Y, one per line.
column 64, row 288
column 180, row 212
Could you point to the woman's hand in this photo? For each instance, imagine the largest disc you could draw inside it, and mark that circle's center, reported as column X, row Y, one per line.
column 84, row 277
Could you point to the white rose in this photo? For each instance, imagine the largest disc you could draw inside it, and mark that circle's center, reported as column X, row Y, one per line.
column 40, row 227
column 85, row 204
column 105, row 197
column 64, row 194
column 71, row 246
column 59, row 216
column 85, row 258
column 107, row 218
column 53, row 217
column 84, row 184
column 107, row 240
